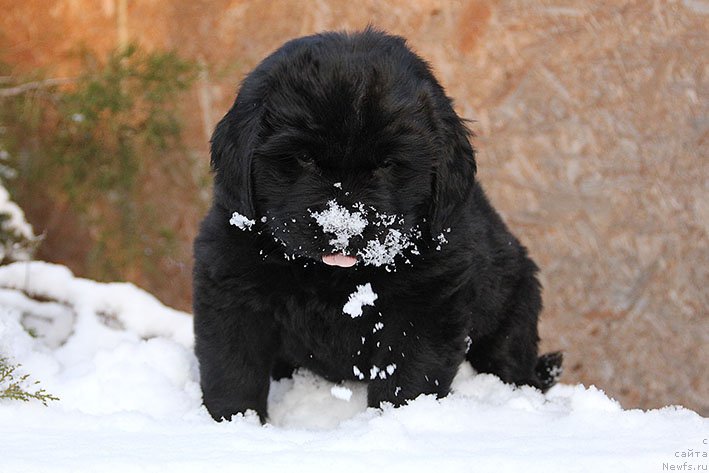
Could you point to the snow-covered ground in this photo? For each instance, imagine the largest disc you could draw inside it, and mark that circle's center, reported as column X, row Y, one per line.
column 121, row 364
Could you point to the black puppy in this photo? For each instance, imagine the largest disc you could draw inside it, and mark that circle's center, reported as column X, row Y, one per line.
column 348, row 236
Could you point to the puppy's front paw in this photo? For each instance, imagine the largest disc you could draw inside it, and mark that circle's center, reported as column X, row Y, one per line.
column 220, row 410
column 549, row 369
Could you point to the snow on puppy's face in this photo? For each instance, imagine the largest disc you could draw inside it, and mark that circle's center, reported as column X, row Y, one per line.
column 344, row 225
column 344, row 237
column 339, row 203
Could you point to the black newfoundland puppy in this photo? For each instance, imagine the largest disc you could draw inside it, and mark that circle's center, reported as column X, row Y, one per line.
column 348, row 236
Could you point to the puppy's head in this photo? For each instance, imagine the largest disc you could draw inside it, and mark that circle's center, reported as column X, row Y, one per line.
column 346, row 148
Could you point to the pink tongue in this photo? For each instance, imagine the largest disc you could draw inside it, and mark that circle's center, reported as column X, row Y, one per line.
column 338, row 259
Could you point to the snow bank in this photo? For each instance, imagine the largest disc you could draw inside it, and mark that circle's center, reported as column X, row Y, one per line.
column 122, row 365
column 138, row 312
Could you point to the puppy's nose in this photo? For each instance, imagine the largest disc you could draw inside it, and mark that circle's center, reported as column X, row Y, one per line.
column 341, row 222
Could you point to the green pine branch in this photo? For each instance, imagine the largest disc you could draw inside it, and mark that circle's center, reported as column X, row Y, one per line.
column 14, row 387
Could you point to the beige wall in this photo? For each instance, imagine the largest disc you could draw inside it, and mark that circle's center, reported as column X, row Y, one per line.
column 591, row 122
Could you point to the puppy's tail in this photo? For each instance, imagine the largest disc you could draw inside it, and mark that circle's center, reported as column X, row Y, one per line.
column 549, row 369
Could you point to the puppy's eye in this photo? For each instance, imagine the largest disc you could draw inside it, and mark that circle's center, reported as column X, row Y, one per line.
column 305, row 161
column 386, row 164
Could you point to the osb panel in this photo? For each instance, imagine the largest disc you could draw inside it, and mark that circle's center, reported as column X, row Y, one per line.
column 591, row 122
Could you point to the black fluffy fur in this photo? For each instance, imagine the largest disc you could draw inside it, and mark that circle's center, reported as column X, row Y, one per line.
column 363, row 111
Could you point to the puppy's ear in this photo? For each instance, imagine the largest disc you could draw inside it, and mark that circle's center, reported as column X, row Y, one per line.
column 232, row 147
column 454, row 171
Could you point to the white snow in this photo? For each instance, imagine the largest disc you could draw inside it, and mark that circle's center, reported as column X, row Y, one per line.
column 241, row 221
column 379, row 253
column 15, row 224
column 364, row 295
column 441, row 241
column 341, row 392
column 341, row 222
column 376, row 372
column 122, row 365
column 357, row 372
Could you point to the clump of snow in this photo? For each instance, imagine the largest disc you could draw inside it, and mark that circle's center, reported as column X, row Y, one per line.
column 378, row 253
column 364, row 295
column 376, row 372
column 130, row 400
column 442, row 240
column 341, row 222
column 341, row 392
column 357, row 372
column 15, row 222
column 241, row 221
